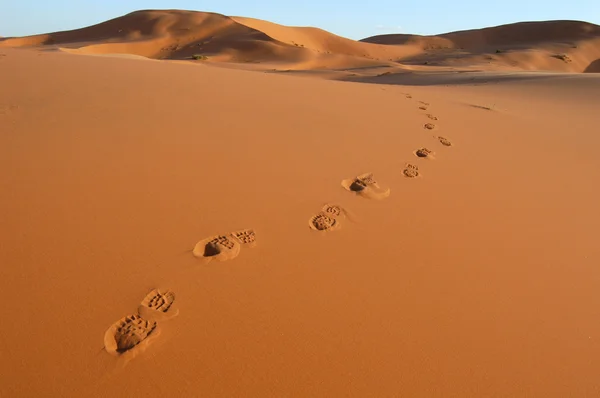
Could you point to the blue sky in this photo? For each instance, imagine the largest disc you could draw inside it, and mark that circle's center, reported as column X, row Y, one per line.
column 351, row 18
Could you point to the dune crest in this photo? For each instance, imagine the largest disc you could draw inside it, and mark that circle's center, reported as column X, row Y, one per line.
column 520, row 46
column 178, row 34
column 565, row 46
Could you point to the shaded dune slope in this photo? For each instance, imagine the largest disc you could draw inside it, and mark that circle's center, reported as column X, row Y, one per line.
column 563, row 46
column 177, row 34
column 517, row 34
column 169, row 34
column 566, row 46
column 322, row 41
column 593, row 67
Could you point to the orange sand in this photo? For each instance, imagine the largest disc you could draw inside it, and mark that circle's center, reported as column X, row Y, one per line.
column 478, row 277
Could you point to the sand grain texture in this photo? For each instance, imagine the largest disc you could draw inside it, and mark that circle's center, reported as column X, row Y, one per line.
column 478, row 278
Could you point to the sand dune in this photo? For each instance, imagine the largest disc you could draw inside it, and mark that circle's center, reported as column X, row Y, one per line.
column 322, row 41
column 175, row 34
column 170, row 34
column 517, row 34
column 593, row 67
column 565, row 46
column 179, row 228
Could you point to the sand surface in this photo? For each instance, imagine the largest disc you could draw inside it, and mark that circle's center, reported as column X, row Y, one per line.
column 479, row 277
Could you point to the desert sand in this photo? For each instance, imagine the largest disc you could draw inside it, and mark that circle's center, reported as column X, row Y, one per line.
column 299, row 214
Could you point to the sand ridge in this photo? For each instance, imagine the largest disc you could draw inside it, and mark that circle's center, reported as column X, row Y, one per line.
column 177, row 34
column 566, row 46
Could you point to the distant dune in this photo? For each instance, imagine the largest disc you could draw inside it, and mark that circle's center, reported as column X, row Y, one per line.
column 175, row 34
column 517, row 34
column 526, row 45
column 566, row 46
column 163, row 35
column 593, row 67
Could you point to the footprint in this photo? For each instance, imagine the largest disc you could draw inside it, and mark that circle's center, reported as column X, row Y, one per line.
column 220, row 248
column 366, row 179
column 127, row 333
column 156, row 304
column 159, row 301
column 323, row 222
column 445, row 141
column 411, row 171
column 429, row 115
column 429, row 126
column 408, row 96
column 246, row 237
column 333, row 211
column 424, row 103
column 423, row 153
column 366, row 185
column 338, row 212
column 423, row 108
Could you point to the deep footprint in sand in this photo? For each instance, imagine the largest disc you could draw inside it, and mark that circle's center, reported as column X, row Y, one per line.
column 424, row 153
column 429, row 126
column 220, row 248
column 127, row 333
column 423, row 108
column 411, row 171
column 445, row 141
column 323, row 222
column 429, row 115
column 366, row 185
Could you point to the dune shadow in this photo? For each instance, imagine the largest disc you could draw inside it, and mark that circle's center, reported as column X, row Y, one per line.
column 454, row 78
column 593, row 67
column 394, row 38
column 521, row 33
